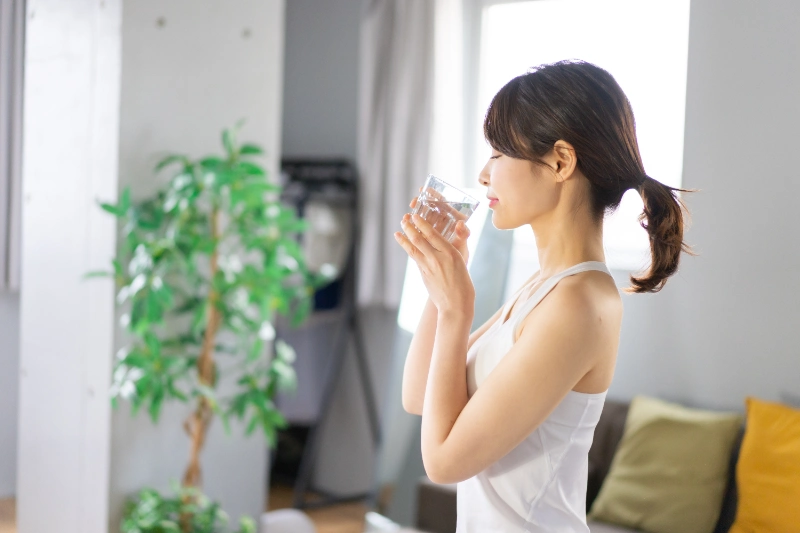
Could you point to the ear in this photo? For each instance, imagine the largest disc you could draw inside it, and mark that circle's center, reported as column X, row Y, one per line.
column 564, row 160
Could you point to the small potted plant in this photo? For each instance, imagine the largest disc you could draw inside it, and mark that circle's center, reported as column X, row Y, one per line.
column 203, row 268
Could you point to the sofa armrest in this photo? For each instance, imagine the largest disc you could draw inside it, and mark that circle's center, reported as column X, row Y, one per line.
column 436, row 506
column 607, row 435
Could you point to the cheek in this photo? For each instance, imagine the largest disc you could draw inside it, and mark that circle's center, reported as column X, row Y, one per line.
column 521, row 202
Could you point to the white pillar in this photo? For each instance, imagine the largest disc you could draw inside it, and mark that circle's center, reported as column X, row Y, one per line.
column 71, row 124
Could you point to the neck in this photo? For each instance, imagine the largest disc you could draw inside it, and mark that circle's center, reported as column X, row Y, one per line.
column 565, row 238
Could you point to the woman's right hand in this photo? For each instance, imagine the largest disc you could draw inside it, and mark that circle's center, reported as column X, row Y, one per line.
column 460, row 237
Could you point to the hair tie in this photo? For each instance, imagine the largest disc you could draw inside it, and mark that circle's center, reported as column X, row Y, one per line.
column 642, row 179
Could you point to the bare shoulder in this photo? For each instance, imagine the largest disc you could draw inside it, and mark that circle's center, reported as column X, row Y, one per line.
column 593, row 291
column 582, row 315
column 589, row 301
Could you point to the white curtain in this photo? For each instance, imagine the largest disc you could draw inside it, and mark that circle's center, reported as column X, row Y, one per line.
column 11, row 60
column 394, row 132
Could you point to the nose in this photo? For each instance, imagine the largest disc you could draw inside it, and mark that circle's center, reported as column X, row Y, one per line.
column 483, row 177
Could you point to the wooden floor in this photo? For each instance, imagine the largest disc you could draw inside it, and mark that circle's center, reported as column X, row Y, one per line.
column 8, row 516
column 340, row 518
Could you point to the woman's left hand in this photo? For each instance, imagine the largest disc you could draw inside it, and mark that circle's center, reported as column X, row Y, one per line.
column 443, row 270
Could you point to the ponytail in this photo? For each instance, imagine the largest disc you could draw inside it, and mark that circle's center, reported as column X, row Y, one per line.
column 662, row 218
column 585, row 106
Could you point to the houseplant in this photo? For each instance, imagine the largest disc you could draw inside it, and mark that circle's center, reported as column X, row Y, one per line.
column 204, row 266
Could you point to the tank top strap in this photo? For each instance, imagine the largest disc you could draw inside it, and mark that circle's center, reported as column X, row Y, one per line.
column 548, row 286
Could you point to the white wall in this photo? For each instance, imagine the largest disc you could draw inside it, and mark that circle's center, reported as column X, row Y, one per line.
column 190, row 69
column 9, row 389
column 321, row 78
column 727, row 325
column 70, row 127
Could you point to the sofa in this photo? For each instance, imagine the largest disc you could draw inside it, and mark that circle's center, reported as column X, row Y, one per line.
column 436, row 504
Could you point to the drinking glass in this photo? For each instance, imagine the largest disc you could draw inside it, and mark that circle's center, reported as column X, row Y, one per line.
column 442, row 205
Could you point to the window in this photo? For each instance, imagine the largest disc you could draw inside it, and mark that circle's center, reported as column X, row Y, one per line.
column 642, row 43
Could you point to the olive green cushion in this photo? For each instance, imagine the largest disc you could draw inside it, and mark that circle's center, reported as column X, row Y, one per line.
column 669, row 472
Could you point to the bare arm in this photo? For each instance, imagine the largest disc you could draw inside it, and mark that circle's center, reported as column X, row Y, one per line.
column 418, row 360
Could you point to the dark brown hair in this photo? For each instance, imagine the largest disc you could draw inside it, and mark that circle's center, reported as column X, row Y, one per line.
column 583, row 105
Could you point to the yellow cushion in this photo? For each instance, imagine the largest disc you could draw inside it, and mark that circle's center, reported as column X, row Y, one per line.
column 669, row 472
column 768, row 471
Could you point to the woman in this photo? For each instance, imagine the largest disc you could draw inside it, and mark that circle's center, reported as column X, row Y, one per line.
column 509, row 411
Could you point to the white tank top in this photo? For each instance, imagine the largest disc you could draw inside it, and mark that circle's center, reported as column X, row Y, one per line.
column 539, row 486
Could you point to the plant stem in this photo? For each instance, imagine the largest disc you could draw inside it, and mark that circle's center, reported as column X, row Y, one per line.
column 196, row 425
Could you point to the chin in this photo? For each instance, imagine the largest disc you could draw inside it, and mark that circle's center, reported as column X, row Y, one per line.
column 501, row 224
column 497, row 221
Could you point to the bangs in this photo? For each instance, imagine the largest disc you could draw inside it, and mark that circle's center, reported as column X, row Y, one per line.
column 501, row 126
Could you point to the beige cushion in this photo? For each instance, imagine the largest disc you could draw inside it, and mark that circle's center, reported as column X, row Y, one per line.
column 599, row 527
column 670, row 470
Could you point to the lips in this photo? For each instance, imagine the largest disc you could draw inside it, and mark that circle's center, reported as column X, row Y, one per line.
column 492, row 201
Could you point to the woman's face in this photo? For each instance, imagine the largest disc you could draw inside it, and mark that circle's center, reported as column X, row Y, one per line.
column 525, row 191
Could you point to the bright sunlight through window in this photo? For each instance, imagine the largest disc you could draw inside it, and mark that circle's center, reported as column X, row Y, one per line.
column 643, row 44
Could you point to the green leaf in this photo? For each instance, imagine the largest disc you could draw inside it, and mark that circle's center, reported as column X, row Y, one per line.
column 256, row 350
column 189, row 304
column 247, row 525
column 303, row 310
column 228, row 142
column 111, row 208
column 251, row 426
column 211, row 163
column 170, row 160
column 153, row 344
column 136, row 403
column 250, row 149
column 286, row 377
column 155, row 402
column 226, row 424
column 285, row 352
column 238, row 405
column 125, row 201
column 97, row 274
column 251, row 169
column 199, row 320
column 174, row 392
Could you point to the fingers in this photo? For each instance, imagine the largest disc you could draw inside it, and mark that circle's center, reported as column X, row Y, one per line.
column 406, row 245
column 462, row 229
column 413, row 242
column 411, row 227
column 415, row 199
column 428, row 239
column 461, row 235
